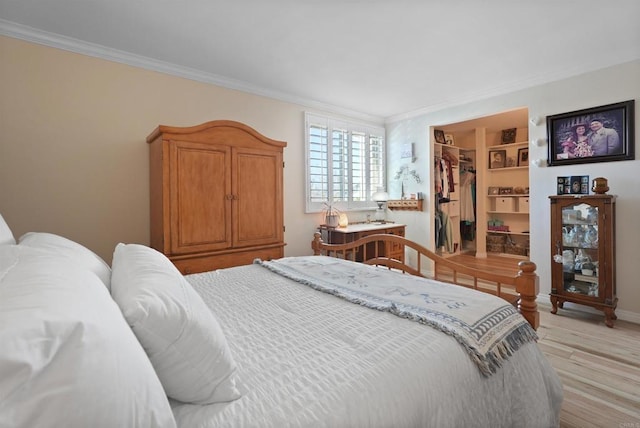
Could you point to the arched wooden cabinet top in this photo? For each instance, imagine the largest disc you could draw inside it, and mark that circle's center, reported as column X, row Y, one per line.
column 216, row 131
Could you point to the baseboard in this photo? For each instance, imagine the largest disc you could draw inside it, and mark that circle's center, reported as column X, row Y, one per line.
column 634, row 317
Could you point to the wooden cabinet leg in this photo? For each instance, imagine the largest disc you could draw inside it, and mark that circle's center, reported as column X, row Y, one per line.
column 609, row 316
column 554, row 303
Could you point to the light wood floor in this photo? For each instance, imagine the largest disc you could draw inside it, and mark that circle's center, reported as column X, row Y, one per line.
column 599, row 366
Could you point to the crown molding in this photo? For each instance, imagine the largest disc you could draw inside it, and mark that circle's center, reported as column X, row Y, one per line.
column 34, row 35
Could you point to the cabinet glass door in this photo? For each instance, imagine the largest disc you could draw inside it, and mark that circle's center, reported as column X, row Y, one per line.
column 578, row 250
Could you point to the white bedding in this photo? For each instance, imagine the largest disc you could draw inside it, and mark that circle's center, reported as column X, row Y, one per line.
column 309, row 359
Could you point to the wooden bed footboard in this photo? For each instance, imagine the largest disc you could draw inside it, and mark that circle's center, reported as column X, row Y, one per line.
column 520, row 290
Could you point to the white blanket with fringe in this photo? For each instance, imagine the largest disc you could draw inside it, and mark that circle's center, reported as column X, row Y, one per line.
column 488, row 327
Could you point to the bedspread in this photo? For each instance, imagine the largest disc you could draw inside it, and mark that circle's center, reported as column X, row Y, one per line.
column 310, row 359
column 490, row 329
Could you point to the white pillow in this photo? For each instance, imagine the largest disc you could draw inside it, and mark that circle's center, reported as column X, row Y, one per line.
column 6, row 236
column 71, row 251
column 179, row 332
column 67, row 356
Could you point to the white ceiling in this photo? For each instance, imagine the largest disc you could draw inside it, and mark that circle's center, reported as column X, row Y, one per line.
column 371, row 58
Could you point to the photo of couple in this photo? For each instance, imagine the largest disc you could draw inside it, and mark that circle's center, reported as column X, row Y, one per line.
column 597, row 134
column 590, row 139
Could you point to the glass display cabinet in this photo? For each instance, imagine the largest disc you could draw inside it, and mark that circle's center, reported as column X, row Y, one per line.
column 583, row 248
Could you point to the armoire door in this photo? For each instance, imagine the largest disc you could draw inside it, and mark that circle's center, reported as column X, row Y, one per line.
column 200, row 192
column 258, row 199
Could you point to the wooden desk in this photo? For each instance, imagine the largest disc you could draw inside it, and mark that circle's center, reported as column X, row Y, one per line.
column 353, row 232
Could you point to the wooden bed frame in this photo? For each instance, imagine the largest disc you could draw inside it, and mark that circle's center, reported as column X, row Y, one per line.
column 520, row 290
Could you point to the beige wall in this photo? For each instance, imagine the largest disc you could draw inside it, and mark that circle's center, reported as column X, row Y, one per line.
column 73, row 156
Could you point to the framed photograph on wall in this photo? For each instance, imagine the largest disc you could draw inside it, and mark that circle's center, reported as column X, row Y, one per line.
column 497, row 158
column 598, row 134
column 523, row 156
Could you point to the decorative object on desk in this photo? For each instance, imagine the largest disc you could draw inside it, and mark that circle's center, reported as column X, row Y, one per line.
column 343, row 220
column 598, row 134
column 600, row 186
column 448, row 138
column 330, row 215
column 380, row 197
column 497, row 158
column 509, row 135
column 523, row 156
column 439, row 136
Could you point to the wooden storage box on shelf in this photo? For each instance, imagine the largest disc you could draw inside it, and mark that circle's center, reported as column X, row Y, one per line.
column 523, row 204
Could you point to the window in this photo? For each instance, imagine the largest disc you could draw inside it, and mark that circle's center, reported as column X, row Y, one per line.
column 345, row 163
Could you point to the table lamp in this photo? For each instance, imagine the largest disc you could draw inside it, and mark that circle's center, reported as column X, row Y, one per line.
column 380, row 197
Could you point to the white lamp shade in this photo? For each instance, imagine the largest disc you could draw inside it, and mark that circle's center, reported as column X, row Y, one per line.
column 380, row 195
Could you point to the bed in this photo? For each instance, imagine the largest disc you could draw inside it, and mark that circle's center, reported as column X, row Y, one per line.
column 137, row 344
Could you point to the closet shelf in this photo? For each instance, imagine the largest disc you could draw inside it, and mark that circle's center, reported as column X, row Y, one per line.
column 405, row 204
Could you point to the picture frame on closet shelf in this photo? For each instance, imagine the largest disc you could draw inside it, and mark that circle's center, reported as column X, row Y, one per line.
column 438, row 134
column 449, row 140
column 523, row 156
column 497, row 159
column 494, row 190
column 509, row 135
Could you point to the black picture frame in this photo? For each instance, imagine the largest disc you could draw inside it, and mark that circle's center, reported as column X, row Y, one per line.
column 575, row 184
column 509, row 135
column 439, row 136
column 610, row 140
column 497, row 159
column 523, row 156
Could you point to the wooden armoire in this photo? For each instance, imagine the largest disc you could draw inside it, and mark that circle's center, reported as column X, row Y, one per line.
column 216, row 195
